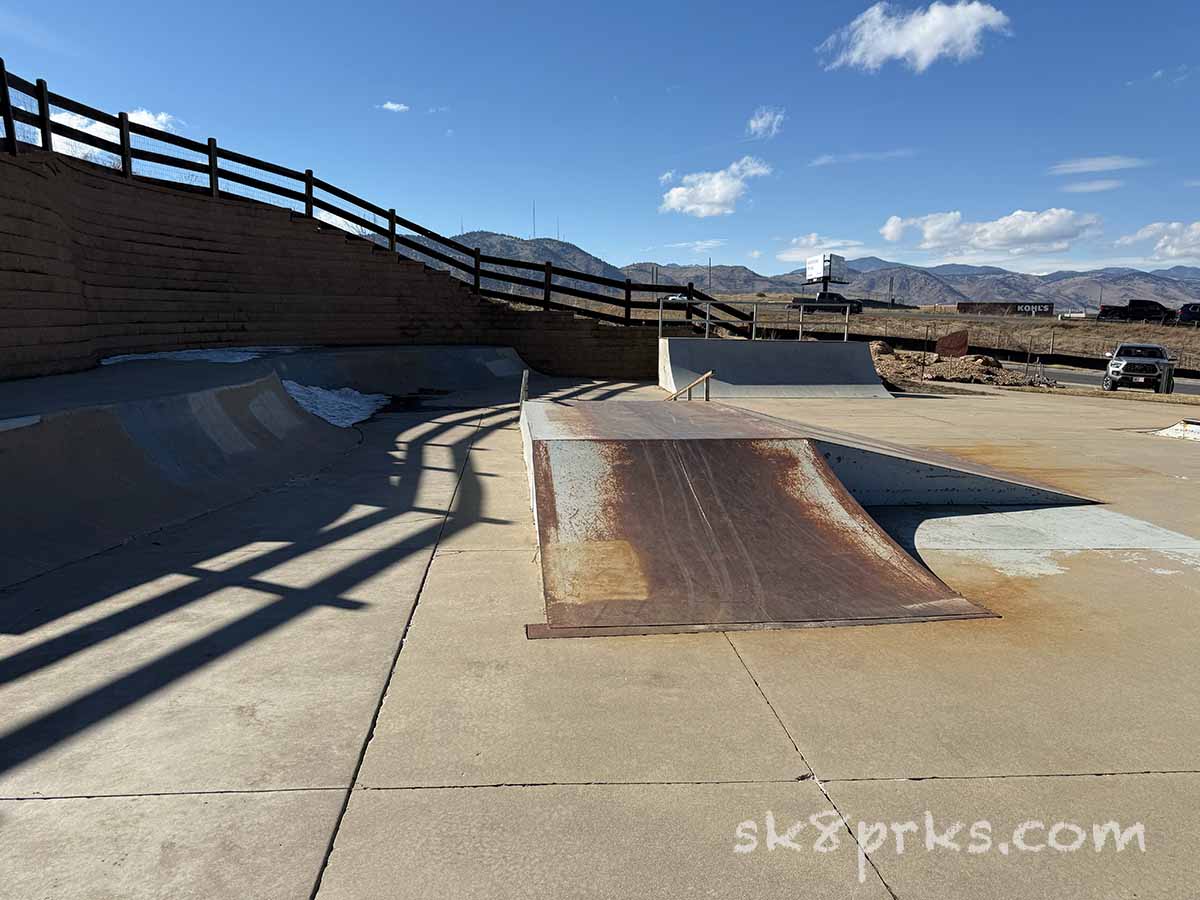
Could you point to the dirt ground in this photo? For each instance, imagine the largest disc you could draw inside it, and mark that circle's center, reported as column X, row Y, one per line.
column 907, row 368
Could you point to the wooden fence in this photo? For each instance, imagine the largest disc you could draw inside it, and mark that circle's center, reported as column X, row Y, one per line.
column 544, row 282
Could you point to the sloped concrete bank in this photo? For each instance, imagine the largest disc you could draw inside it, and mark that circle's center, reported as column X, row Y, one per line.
column 81, row 479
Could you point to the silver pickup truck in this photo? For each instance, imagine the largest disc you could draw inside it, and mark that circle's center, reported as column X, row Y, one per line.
column 1140, row 365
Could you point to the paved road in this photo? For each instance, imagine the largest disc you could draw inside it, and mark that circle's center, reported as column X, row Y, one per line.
column 1092, row 377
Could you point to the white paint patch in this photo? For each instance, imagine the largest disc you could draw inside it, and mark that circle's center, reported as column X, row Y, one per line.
column 211, row 355
column 1047, row 528
column 1187, row 430
column 1191, row 559
column 19, row 422
column 341, row 406
column 1023, row 563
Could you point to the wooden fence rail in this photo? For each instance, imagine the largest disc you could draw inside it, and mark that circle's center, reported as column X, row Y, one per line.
column 312, row 194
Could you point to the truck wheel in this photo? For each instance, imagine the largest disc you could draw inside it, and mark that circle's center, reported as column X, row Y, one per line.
column 1108, row 384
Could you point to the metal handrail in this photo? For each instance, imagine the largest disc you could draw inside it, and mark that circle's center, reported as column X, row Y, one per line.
column 688, row 390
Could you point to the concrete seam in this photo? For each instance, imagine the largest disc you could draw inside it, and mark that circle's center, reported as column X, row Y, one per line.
column 1115, row 774
column 812, row 773
column 136, row 794
column 362, row 755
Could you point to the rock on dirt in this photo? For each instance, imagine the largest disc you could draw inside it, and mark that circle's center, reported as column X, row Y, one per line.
column 974, row 368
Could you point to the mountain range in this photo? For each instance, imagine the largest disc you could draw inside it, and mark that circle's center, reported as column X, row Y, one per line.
column 873, row 278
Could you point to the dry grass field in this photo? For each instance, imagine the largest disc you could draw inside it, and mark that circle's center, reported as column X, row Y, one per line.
column 1043, row 336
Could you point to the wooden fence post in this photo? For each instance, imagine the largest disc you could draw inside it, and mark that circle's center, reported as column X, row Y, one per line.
column 690, row 295
column 213, row 184
column 308, row 193
column 10, row 125
column 392, row 230
column 44, row 114
column 126, row 146
column 478, row 273
column 546, row 295
column 628, row 299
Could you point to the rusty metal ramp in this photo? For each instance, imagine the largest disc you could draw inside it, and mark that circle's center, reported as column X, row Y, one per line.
column 656, row 517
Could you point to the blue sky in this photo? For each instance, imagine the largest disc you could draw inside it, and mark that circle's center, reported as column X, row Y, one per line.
column 1030, row 135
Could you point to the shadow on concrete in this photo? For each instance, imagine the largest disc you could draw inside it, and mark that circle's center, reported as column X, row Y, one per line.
column 368, row 488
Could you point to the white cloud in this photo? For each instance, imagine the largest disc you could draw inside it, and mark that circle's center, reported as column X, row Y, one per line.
column 829, row 159
column 1089, row 164
column 765, row 123
column 667, row 177
column 393, row 106
column 703, row 194
column 801, row 248
column 1173, row 240
column 1020, row 232
column 697, row 248
column 1093, row 187
column 754, row 254
column 1192, row 182
column 919, row 38
column 437, row 109
column 161, row 120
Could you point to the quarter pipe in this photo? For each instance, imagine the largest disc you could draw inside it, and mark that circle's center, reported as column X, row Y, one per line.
column 815, row 369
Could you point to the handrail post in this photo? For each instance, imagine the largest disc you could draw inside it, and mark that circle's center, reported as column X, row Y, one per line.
column 126, row 146
column 628, row 300
column 392, row 230
column 308, row 193
column 546, row 291
column 690, row 298
column 44, row 114
column 753, row 323
column 660, row 312
column 706, row 383
column 478, row 272
column 214, row 189
column 707, row 318
column 846, row 325
column 10, row 125
column 800, row 334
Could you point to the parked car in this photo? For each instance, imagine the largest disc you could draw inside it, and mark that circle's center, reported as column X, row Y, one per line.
column 1140, row 365
column 1189, row 314
column 1137, row 311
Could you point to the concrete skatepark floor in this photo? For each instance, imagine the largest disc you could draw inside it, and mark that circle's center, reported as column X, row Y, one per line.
column 325, row 690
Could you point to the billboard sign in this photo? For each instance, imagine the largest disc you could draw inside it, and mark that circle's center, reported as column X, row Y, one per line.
column 826, row 265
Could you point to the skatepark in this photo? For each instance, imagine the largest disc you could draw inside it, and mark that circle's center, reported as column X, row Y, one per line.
column 533, row 629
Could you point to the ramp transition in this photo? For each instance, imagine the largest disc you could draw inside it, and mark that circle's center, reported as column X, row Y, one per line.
column 656, row 517
column 814, row 369
column 93, row 459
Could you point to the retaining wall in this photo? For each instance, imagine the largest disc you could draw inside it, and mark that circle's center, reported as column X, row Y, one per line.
column 93, row 264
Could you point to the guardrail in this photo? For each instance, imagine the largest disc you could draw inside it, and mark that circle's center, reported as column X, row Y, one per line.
column 213, row 168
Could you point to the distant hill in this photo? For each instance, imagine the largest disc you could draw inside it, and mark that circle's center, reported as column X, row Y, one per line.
column 870, row 277
column 1182, row 273
column 539, row 250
